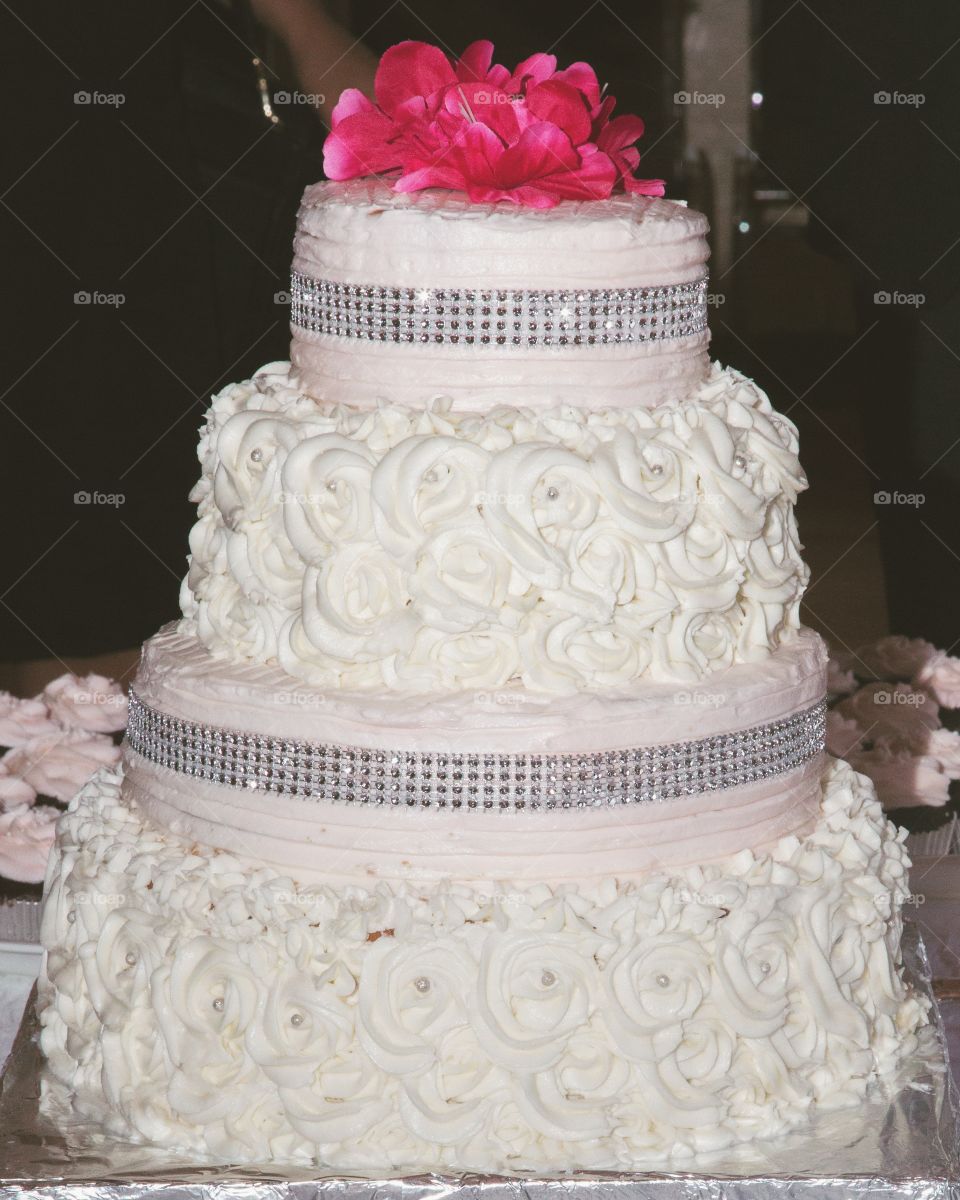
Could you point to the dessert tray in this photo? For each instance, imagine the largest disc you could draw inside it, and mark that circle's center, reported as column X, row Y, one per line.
column 902, row 1142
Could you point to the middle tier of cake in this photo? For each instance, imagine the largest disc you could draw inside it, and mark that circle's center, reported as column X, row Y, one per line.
column 475, row 785
column 570, row 549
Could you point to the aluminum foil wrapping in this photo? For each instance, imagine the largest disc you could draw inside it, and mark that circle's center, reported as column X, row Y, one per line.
column 20, row 920
column 901, row 1143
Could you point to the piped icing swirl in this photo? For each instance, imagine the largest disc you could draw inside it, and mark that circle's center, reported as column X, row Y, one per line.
column 205, row 1001
column 570, row 549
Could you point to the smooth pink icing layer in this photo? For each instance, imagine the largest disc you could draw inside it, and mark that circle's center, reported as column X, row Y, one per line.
column 179, row 676
column 322, row 843
column 342, row 370
column 363, row 233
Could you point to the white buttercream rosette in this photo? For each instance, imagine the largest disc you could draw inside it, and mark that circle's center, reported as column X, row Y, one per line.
column 204, row 1002
column 568, row 549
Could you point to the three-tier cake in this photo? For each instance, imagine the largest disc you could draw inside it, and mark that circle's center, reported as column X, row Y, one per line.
column 476, row 814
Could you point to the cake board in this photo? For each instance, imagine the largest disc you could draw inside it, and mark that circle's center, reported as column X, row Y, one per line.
column 902, row 1143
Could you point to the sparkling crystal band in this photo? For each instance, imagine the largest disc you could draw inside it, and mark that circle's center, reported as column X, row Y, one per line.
column 353, row 775
column 491, row 317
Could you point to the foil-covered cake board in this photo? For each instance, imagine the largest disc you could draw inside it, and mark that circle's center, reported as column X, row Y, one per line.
column 902, row 1142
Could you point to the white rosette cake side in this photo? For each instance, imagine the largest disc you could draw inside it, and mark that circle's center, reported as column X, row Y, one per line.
column 476, row 815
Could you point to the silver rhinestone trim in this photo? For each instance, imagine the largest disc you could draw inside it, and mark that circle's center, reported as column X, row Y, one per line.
column 415, row 779
column 491, row 317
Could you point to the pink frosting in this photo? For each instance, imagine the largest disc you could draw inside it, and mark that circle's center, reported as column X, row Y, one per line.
column 179, row 676
column 331, row 369
column 363, row 233
column 59, row 764
column 90, row 702
column 941, row 675
column 21, row 720
column 902, row 779
column 320, row 841
column 14, row 791
column 26, row 838
column 326, row 842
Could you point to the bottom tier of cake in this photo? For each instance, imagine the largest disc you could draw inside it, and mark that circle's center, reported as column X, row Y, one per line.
column 200, row 1001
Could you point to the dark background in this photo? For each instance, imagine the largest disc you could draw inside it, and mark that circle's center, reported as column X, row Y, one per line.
column 183, row 200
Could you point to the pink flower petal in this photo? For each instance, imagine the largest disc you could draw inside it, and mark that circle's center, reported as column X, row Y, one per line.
column 490, row 105
column 534, row 136
column 361, row 145
column 411, row 71
column 535, row 69
column 351, row 102
column 474, row 63
column 644, row 187
column 620, row 133
column 442, row 175
column 472, row 157
column 583, row 77
column 542, row 149
column 563, row 106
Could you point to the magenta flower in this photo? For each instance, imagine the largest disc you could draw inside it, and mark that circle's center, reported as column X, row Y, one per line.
column 535, row 136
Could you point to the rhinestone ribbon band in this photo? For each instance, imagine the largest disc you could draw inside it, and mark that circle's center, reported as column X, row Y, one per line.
column 490, row 317
column 417, row 779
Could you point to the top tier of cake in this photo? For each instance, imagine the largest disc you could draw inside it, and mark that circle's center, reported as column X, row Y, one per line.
column 410, row 297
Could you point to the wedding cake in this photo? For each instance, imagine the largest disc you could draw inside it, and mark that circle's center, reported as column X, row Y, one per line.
column 476, row 815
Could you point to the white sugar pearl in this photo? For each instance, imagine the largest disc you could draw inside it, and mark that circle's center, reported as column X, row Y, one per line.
column 130, row 959
column 553, row 493
column 422, row 984
column 218, row 1004
column 663, row 980
column 739, row 461
column 765, row 968
column 548, row 978
column 656, row 469
column 296, row 1020
column 256, row 455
